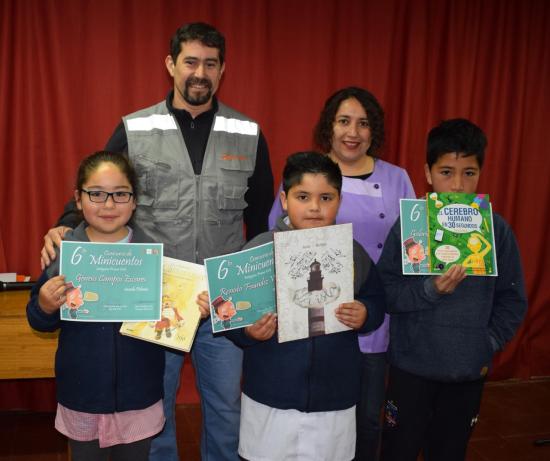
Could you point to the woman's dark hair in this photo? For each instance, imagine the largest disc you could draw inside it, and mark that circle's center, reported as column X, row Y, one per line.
column 323, row 132
column 91, row 163
column 301, row 163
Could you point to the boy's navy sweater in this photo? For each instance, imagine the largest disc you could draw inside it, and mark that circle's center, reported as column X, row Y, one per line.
column 321, row 373
column 452, row 337
column 97, row 369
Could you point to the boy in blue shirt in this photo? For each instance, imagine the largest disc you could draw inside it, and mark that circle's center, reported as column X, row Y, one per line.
column 299, row 396
column 445, row 329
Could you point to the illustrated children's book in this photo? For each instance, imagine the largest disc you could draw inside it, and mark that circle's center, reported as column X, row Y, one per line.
column 182, row 281
column 241, row 287
column 446, row 229
column 460, row 230
column 314, row 274
column 111, row 282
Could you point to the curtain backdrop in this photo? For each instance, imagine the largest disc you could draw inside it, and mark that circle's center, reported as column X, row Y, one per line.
column 71, row 68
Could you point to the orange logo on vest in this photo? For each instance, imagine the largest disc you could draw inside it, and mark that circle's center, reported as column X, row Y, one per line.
column 234, row 157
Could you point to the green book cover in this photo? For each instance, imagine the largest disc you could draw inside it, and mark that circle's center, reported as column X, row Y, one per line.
column 460, row 231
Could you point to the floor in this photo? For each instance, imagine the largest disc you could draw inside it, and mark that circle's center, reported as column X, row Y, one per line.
column 513, row 416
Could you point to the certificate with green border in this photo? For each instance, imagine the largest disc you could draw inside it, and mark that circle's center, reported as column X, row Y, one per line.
column 414, row 237
column 241, row 287
column 111, row 282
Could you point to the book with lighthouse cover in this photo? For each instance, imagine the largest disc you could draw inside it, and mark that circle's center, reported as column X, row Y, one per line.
column 314, row 274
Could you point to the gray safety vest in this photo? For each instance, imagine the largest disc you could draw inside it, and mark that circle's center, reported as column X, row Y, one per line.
column 195, row 216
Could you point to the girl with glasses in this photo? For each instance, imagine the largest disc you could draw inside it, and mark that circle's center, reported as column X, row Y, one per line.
column 109, row 386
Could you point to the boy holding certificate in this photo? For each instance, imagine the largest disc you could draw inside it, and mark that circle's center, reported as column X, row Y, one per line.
column 299, row 396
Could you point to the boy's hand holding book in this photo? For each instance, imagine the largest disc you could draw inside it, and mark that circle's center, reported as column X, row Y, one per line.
column 446, row 283
column 264, row 328
column 352, row 314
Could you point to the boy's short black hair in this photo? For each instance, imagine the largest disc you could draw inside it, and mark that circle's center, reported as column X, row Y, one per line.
column 456, row 135
column 300, row 163
column 198, row 31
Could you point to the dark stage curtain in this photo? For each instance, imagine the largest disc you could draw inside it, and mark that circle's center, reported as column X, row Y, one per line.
column 71, row 68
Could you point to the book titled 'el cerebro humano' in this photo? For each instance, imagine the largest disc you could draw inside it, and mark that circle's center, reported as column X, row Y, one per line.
column 447, row 229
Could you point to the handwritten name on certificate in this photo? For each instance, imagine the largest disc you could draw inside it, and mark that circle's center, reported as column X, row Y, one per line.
column 111, row 282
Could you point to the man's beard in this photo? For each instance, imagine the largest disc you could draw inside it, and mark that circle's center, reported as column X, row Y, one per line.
column 200, row 98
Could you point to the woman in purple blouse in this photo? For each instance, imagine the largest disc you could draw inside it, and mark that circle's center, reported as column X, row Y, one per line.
column 351, row 131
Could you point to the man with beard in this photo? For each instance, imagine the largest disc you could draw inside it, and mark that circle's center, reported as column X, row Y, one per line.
column 203, row 169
